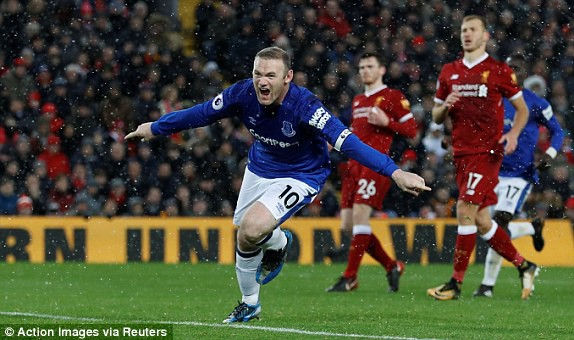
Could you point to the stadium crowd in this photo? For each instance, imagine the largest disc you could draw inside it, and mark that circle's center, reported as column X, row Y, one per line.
column 77, row 75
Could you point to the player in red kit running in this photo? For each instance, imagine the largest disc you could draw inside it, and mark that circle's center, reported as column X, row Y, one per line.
column 470, row 92
column 379, row 114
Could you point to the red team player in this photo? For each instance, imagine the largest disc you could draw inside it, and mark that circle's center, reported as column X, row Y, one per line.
column 378, row 115
column 470, row 92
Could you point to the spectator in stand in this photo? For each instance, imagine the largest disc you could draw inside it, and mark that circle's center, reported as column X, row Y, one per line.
column 200, row 205
column 31, row 113
column 442, row 203
column 117, row 112
column 433, row 141
column 116, row 162
column 81, row 207
column 171, row 207
column 136, row 207
column 118, row 194
column 153, row 201
column 57, row 163
column 59, row 97
column 333, row 17
column 136, row 184
column 165, row 179
column 16, row 113
column 83, row 120
column 32, row 189
column 49, row 112
column 17, row 83
column 23, row 155
column 62, row 194
column 144, row 103
column 86, row 155
column 109, row 209
column 92, row 197
column 79, row 178
column 25, row 206
column 75, row 85
column 8, row 196
column 183, row 197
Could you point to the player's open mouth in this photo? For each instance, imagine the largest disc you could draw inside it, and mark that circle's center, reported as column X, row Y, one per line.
column 265, row 92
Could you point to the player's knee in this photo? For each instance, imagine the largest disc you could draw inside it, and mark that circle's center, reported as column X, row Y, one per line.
column 502, row 218
column 465, row 213
column 252, row 230
column 249, row 234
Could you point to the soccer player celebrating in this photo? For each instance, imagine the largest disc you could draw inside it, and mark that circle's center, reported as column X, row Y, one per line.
column 378, row 115
column 519, row 172
column 470, row 92
column 288, row 163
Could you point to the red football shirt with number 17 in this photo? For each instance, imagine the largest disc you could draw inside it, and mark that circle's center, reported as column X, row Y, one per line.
column 478, row 116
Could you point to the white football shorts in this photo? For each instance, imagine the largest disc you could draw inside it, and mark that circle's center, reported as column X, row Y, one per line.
column 282, row 196
column 511, row 193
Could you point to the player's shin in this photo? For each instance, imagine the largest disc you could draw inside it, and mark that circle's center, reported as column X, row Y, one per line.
column 499, row 240
column 465, row 243
column 245, row 268
column 492, row 265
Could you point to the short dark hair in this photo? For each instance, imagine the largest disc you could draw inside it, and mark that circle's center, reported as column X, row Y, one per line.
column 377, row 56
column 476, row 17
column 275, row 52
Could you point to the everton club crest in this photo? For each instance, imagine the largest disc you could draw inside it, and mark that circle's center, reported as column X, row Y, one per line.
column 287, row 129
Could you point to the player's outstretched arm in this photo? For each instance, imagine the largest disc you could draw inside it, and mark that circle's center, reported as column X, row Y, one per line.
column 143, row 131
column 409, row 182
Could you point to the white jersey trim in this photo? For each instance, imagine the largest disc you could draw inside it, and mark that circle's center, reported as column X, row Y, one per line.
column 342, row 137
column 551, row 152
column 466, row 229
column 362, row 229
column 516, row 96
column 406, row 117
column 548, row 113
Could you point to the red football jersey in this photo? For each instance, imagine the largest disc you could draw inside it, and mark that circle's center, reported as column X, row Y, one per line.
column 478, row 116
column 397, row 108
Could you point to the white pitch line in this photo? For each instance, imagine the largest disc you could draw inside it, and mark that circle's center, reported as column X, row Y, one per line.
column 202, row 324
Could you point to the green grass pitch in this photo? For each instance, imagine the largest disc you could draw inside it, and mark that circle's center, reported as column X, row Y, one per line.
column 195, row 298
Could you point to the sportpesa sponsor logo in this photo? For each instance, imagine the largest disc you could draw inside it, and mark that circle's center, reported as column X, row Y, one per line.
column 271, row 141
column 471, row 90
column 320, row 118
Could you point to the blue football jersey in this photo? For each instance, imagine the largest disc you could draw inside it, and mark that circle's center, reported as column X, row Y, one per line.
column 520, row 163
column 290, row 139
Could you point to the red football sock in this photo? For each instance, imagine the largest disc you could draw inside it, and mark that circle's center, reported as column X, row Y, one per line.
column 376, row 250
column 501, row 243
column 357, row 249
column 463, row 249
